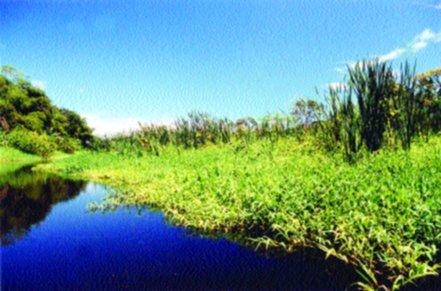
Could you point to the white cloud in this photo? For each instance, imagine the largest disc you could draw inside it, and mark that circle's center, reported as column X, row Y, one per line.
column 423, row 39
column 39, row 84
column 420, row 41
column 391, row 55
column 104, row 126
column 434, row 6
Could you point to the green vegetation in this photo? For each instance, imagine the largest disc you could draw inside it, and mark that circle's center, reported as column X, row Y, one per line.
column 358, row 177
column 376, row 108
column 382, row 213
column 31, row 123
column 12, row 159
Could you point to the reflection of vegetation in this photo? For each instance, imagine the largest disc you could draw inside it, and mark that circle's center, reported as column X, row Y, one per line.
column 26, row 199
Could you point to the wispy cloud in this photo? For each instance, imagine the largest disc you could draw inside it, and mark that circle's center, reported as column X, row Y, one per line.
column 392, row 55
column 420, row 42
column 425, row 38
column 105, row 126
column 433, row 6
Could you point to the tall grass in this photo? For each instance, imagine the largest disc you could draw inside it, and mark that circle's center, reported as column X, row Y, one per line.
column 373, row 84
column 377, row 107
column 381, row 214
column 380, row 108
column 200, row 129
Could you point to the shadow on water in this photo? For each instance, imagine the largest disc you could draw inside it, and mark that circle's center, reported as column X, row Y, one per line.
column 27, row 198
column 50, row 245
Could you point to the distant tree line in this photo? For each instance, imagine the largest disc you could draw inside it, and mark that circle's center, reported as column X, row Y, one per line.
column 376, row 107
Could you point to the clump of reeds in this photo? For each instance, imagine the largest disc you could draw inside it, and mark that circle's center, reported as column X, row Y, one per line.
column 376, row 107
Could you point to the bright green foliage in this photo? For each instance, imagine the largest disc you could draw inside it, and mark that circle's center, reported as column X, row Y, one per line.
column 382, row 214
column 12, row 159
column 282, row 181
column 27, row 107
column 30, row 142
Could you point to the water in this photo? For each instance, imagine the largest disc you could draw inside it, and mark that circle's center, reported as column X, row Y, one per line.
column 50, row 241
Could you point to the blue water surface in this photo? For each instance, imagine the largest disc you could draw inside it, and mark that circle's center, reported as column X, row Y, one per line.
column 71, row 248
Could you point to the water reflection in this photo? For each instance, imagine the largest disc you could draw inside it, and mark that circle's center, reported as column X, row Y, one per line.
column 27, row 198
column 48, row 245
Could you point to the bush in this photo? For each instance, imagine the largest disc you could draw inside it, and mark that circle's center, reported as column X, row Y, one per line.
column 30, row 142
column 66, row 144
column 3, row 141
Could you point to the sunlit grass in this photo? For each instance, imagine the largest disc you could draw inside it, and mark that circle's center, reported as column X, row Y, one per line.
column 382, row 214
column 12, row 159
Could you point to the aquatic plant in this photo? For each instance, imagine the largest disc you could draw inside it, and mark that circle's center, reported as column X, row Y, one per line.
column 381, row 214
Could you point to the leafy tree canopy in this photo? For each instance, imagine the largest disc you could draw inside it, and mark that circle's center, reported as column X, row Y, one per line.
column 23, row 105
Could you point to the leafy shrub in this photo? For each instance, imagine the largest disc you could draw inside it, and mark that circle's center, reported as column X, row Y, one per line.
column 30, row 142
column 100, row 144
column 66, row 144
column 3, row 141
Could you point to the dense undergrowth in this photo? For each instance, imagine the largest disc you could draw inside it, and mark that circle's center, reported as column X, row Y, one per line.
column 382, row 214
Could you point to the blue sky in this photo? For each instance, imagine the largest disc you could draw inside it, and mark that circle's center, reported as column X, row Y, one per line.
column 118, row 62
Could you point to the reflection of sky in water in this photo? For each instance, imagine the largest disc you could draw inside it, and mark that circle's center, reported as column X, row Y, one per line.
column 78, row 249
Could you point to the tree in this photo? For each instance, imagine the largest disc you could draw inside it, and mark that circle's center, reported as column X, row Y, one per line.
column 306, row 111
column 22, row 105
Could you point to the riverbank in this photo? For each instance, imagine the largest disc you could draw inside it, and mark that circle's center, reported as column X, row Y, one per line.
column 382, row 214
column 12, row 159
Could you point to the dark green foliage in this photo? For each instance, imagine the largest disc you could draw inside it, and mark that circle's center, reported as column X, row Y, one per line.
column 405, row 97
column 373, row 84
column 77, row 128
column 66, row 144
column 3, row 141
column 24, row 106
column 428, row 112
column 351, row 126
column 389, row 108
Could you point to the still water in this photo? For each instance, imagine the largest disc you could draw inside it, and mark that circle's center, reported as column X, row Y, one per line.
column 49, row 241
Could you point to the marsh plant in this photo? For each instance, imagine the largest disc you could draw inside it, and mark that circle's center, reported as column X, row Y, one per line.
column 379, row 107
column 376, row 107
